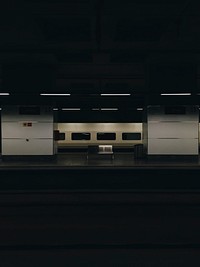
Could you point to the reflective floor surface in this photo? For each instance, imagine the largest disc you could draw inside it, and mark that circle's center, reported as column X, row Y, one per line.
column 122, row 160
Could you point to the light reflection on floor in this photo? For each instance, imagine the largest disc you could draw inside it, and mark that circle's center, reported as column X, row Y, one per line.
column 120, row 160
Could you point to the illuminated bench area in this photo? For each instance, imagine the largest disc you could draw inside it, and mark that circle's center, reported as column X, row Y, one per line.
column 100, row 150
column 106, row 150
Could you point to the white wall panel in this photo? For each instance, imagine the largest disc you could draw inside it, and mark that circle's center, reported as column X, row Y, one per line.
column 173, row 130
column 30, row 134
column 173, row 146
column 30, row 147
column 37, row 129
column 179, row 129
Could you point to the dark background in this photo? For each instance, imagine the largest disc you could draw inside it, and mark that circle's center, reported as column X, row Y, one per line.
column 88, row 47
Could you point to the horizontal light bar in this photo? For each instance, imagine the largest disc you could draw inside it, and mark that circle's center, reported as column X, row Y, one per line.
column 55, row 109
column 115, row 94
column 2, row 94
column 52, row 94
column 109, row 109
column 176, row 94
column 105, row 109
column 139, row 109
column 71, row 109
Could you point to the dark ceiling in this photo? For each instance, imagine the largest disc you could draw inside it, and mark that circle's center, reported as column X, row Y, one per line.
column 88, row 47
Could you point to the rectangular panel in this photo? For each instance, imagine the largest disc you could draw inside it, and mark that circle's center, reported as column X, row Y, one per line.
column 80, row 136
column 106, row 136
column 173, row 129
column 131, row 136
column 27, row 129
column 173, row 113
column 30, row 147
column 18, row 113
column 173, row 147
column 61, row 136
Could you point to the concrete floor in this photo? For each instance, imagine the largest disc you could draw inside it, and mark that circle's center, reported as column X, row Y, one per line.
column 122, row 160
column 100, row 212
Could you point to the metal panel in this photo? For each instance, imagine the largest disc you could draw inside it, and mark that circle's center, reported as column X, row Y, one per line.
column 173, row 130
column 180, row 129
column 30, row 147
column 21, row 129
column 173, row 146
column 27, row 130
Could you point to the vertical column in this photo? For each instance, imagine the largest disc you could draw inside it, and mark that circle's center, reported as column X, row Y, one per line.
column 172, row 130
column 27, row 130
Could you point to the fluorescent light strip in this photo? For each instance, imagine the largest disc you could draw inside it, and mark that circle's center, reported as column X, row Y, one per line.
column 109, row 109
column 176, row 94
column 105, row 109
column 71, row 109
column 55, row 109
column 139, row 109
column 3, row 94
column 44, row 94
column 115, row 94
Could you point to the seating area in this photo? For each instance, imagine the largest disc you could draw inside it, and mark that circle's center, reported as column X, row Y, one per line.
column 100, row 150
column 92, row 150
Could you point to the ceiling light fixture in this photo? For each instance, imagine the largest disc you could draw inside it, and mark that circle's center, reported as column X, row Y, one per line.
column 139, row 109
column 52, row 94
column 179, row 94
column 70, row 109
column 115, row 94
column 105, row 109
column 4, row 94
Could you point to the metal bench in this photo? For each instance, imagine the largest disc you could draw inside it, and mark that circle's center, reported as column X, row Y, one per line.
column 100, row 150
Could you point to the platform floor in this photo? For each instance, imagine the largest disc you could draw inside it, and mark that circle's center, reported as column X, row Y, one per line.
column 122, row 160
column 74, row 172
column 100, row 212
